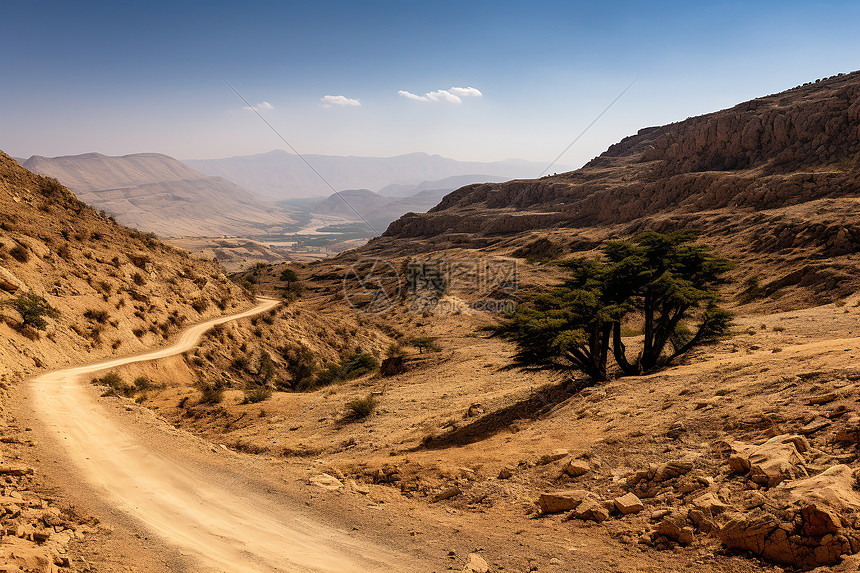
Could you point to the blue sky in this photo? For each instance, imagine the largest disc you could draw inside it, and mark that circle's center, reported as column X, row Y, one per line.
column 119, row 77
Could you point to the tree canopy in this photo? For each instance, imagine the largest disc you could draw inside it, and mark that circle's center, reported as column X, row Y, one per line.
column 665, row 280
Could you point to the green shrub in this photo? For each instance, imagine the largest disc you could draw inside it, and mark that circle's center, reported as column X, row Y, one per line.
column 100, row 316
column 427, row 343
column 33, row 309
column 49, row 186
column 289, row 275
column 360, row 408
column 116, row 385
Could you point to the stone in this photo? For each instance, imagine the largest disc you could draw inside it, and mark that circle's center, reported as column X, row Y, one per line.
column 768, row 464
column 675, row 527
column 670, row 470
column 558, row 501
column 15, row 470
column 359, row 487
column 823, row 398
column 326, row 481
column 628, row 503
column 710, row 503
column 475, row 564
column 447, row 493
column 552, row 457
column 506, row 473
column 590, row 509
column 9, row 282
column 576, row 468
column 814, row 426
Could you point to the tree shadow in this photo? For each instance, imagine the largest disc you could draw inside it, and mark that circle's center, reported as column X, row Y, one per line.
column 538, row 403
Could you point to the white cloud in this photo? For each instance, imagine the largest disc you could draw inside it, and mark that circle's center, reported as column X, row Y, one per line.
column 466, row 92
column 262, row 106
column 452, row 95
column 330, row 100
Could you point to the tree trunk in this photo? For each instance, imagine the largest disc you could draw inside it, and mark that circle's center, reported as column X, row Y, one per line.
column 620, row 353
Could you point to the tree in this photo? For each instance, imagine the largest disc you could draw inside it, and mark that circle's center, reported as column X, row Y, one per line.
column 664, row 279
column 33, row 309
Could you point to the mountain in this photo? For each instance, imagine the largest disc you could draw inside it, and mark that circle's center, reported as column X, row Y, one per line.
column 450, row 183
column 279, row 175
column 365, row 206
column 774, row 182
column 157, row 193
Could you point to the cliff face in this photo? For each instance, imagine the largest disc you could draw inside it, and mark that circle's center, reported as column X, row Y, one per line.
column 797, row 146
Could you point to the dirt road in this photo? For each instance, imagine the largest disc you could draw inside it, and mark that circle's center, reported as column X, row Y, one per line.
column 184, row 505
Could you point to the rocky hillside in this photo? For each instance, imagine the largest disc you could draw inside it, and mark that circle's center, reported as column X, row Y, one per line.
column 773, row 182
column 115, row 290
column 157, row 193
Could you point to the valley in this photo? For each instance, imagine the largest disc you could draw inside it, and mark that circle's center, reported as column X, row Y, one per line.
column 349, row 408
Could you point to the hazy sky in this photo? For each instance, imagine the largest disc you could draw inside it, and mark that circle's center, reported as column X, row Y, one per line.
column 385, row 78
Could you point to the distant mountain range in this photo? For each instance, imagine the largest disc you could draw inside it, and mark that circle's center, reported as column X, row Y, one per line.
column 365, row 206
column 279, row 175
column 154, row 192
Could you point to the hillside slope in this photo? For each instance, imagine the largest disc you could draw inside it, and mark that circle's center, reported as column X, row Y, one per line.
column 157, row 193
column 117, row 290
column 773, row 183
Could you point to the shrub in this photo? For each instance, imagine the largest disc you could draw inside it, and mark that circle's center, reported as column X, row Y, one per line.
column 427, row 343
column 100, row 316
column 256, row 394
column 211, row 394
column 116, row 385
column 360, row 408
column 539, row 250
column 200, row 304
column 50, row 186
column 138, row 279
column 289, row 275
column 33, row 310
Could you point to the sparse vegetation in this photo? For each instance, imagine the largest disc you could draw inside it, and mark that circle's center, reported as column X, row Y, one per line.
column 360, row 408
column 211, row 394
column 427, row 343
column 33, row 310
column 257, row 394
column 289, row 275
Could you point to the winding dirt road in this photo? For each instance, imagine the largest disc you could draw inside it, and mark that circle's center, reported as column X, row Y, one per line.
column 187, row 507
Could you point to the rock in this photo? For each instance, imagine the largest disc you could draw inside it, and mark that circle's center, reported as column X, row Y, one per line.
column 814, row 426
column 770, row 463
column 810, row 532
column 628, row 503
column 359, row 487
column 660, row 514
column 552, row 457
column 670, row 470
column 675, row 527
column 558, row 501
column 447, row 493
column 476, row 564
column 474, row 410
column 326, row 481
column 15, row 470
column 9, row 282
column 710, row 503
column 506, row 473
column 823, row 398
column 575, row 468
column 590, row 509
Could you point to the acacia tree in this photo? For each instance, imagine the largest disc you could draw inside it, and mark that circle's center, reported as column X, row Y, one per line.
column 665, row 277
column 33, row 309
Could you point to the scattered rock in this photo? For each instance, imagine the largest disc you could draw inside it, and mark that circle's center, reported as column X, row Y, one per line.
column 476, row 564
column 447, row 493
column 558, row 501
column 575, row 468
column 592, row 509
column 710, row 503
column 506, row 473
column 552, row 457
column 823, row 398
column 15, row 470
column 675, row 527
column 814, row 426
column 768, row 464
column 9, row 282
column 628, row 503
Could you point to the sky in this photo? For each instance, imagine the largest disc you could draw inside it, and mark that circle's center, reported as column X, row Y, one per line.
column 471, row 80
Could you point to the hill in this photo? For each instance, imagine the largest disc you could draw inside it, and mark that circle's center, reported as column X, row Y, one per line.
column 157, row 193
column 117, row 290
column 279, row 175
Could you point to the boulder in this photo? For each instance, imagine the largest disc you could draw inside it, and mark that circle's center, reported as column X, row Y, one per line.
column 628, row 503
column 592, row 509
column 575, row 468
column 506, row 473
column 447, row 493
column 710, row 503
column 815, row 528
column 9, row 282
column 674, row 526
column 558, row 501
column 476, row 564
column 552, row 457
column 770, row 463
